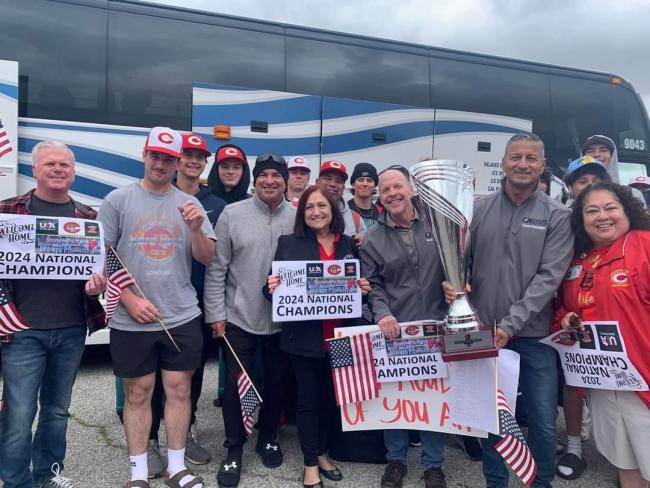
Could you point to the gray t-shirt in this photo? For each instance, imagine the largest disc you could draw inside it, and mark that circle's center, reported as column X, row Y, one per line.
column 149, row 234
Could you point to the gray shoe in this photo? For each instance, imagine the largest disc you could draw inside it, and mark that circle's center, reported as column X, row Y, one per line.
column 194, row 453
column 58, row 481
column 155, row 463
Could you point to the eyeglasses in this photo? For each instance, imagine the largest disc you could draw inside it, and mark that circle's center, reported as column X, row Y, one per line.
column 397, row 167
column 276, row 158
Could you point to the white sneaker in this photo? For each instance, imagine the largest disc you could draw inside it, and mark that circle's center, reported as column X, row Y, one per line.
column 58, row 481
column 585, row 424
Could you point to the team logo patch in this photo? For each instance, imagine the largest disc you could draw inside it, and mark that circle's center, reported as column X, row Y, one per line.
column 165, row 138
column 71, row 227
column 334, row 269
column 194, row 140
column 620, row 277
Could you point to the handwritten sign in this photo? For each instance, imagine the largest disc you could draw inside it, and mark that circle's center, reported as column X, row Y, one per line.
column 316, row 290
column 415, row 355
column 597, row 359
column 59, row 248
column 413, row 404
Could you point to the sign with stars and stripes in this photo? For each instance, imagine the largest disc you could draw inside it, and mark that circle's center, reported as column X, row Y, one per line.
column 353, row 369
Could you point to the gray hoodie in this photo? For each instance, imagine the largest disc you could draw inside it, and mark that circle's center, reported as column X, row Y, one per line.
column 247, row 236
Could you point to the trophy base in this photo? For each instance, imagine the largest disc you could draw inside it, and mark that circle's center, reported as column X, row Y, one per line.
column 463, row 346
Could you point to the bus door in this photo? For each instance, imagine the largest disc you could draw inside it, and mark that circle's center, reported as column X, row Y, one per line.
column 478, row 139
column 382, row 134
column 258, row 121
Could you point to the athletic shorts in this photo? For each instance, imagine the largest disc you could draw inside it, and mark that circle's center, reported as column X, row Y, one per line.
column 621, row 424
column 137, row 354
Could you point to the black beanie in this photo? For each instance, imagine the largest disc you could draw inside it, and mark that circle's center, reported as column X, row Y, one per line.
column 270, row 161
column 364, row 169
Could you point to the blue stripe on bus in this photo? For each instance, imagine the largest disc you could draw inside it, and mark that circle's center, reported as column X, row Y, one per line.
column 363, row 139
column 340, row 107
column 9, row 90
column 95, row 158
column 298, row 145
column 217, row 86
column 287, row 110
column 460, row 126
column 81, row 184
column 81, row 128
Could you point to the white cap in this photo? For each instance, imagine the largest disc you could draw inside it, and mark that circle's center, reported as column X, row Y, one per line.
column 164, row 140
column 640, row 180
column 298, row 162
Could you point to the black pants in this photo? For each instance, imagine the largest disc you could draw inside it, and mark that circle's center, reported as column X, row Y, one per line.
column 316, row 406
column 158, row 397
column 275, row 364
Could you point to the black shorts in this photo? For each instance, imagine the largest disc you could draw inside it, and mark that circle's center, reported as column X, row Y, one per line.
column 137, row 354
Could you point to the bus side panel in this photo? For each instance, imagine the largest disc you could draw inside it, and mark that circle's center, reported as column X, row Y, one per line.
column 382, row 134
column 478, row 139
column 285, row 123
column 8, row 128
column 107, row 156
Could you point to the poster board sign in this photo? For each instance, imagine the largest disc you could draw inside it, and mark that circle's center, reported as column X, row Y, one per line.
column 316, row 290
column 50, row 248
column 415, row 355
column 597, row 358
column 411, row 404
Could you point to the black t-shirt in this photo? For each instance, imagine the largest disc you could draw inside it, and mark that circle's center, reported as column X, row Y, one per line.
column 50, row 304
column 369, row 215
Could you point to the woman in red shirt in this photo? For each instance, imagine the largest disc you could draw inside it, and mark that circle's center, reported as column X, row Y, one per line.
column 609, row 279
column 318, row 236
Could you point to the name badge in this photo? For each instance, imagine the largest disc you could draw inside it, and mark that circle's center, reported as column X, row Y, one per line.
column 573, row 273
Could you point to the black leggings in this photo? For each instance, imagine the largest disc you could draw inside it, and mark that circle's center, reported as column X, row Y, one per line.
column 316, row 407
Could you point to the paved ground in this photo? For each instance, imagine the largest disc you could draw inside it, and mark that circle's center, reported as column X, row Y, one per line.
column 97, row 450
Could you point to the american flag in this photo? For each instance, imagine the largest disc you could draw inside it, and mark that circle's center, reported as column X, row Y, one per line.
column 249, row 401
column 353, row 369
column 512, row 446
column 5, row 143
column 10, row 319
column 118, row 279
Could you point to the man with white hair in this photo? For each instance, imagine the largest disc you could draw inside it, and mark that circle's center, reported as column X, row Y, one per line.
column 41, row 363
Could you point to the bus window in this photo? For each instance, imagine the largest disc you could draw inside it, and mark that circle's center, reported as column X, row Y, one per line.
column 632, row 135
column 153, row 62
column 61, row 49
column 581, row 108
column 341, row 70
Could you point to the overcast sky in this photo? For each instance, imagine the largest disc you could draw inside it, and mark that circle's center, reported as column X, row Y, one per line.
column 603, row 35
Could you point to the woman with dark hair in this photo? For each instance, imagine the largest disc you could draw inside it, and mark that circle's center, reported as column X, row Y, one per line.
column 609, row 280
column 318, row 235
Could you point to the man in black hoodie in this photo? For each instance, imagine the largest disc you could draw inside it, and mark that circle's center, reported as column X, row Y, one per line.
column 230, row 175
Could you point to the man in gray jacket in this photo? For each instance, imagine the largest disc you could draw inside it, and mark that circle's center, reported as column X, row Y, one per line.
column 522, row 244
column 247, row 233
column 400, row 259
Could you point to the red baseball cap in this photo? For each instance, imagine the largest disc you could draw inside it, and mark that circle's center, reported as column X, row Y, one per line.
column 164, row 140
column 195, row 141
column 230, row 152
column 334, row 167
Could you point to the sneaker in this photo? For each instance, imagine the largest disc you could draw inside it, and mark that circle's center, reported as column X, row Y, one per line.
column 434, row 478
column 155, row 463
column 270, row 453
column 394, row 475
column 58, row 480
column 195, row 453
column 229, row 473
column 585, row 424
column 470, row 446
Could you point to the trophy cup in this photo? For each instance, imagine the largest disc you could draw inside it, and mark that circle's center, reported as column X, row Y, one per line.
column 446, row 191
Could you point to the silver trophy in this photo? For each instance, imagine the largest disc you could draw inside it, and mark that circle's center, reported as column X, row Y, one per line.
column 446, row 191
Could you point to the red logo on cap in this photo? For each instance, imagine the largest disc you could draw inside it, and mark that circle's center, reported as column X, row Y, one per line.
column 194, row 140
column 299, row 160
column 165, row 138
column 335, row 164
column 231, row 151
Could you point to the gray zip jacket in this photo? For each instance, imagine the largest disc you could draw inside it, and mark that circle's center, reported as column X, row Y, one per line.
column 247, row 236
column 519, row 257
column 397, row 288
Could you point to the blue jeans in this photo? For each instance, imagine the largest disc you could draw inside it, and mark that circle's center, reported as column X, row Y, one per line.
column 397, row 444
column 538, row 385
column 45, row 360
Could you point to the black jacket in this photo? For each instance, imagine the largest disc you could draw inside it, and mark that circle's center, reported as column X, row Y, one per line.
column 305, row 338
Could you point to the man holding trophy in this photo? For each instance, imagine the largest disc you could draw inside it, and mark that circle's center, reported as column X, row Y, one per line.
column 400, row 260
column 521, row 246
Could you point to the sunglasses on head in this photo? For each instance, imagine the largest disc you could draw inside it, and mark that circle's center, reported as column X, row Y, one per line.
column 397, row 167
column 276, row 158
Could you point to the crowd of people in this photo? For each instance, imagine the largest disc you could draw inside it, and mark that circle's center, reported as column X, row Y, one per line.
column 201, row 257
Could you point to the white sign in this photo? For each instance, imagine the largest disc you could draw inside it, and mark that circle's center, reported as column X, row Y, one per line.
column 50, row 248
column 316, row 290
column 414, row 404
column 415, row 355
column 597, row 358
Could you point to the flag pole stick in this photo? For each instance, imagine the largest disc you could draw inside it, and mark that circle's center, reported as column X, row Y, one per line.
column 143, row 296
column 241, row 366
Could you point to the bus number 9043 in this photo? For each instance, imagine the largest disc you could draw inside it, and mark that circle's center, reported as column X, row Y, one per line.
column 634, row 144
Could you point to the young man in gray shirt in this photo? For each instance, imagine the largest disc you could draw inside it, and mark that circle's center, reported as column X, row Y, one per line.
column 156, row 230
